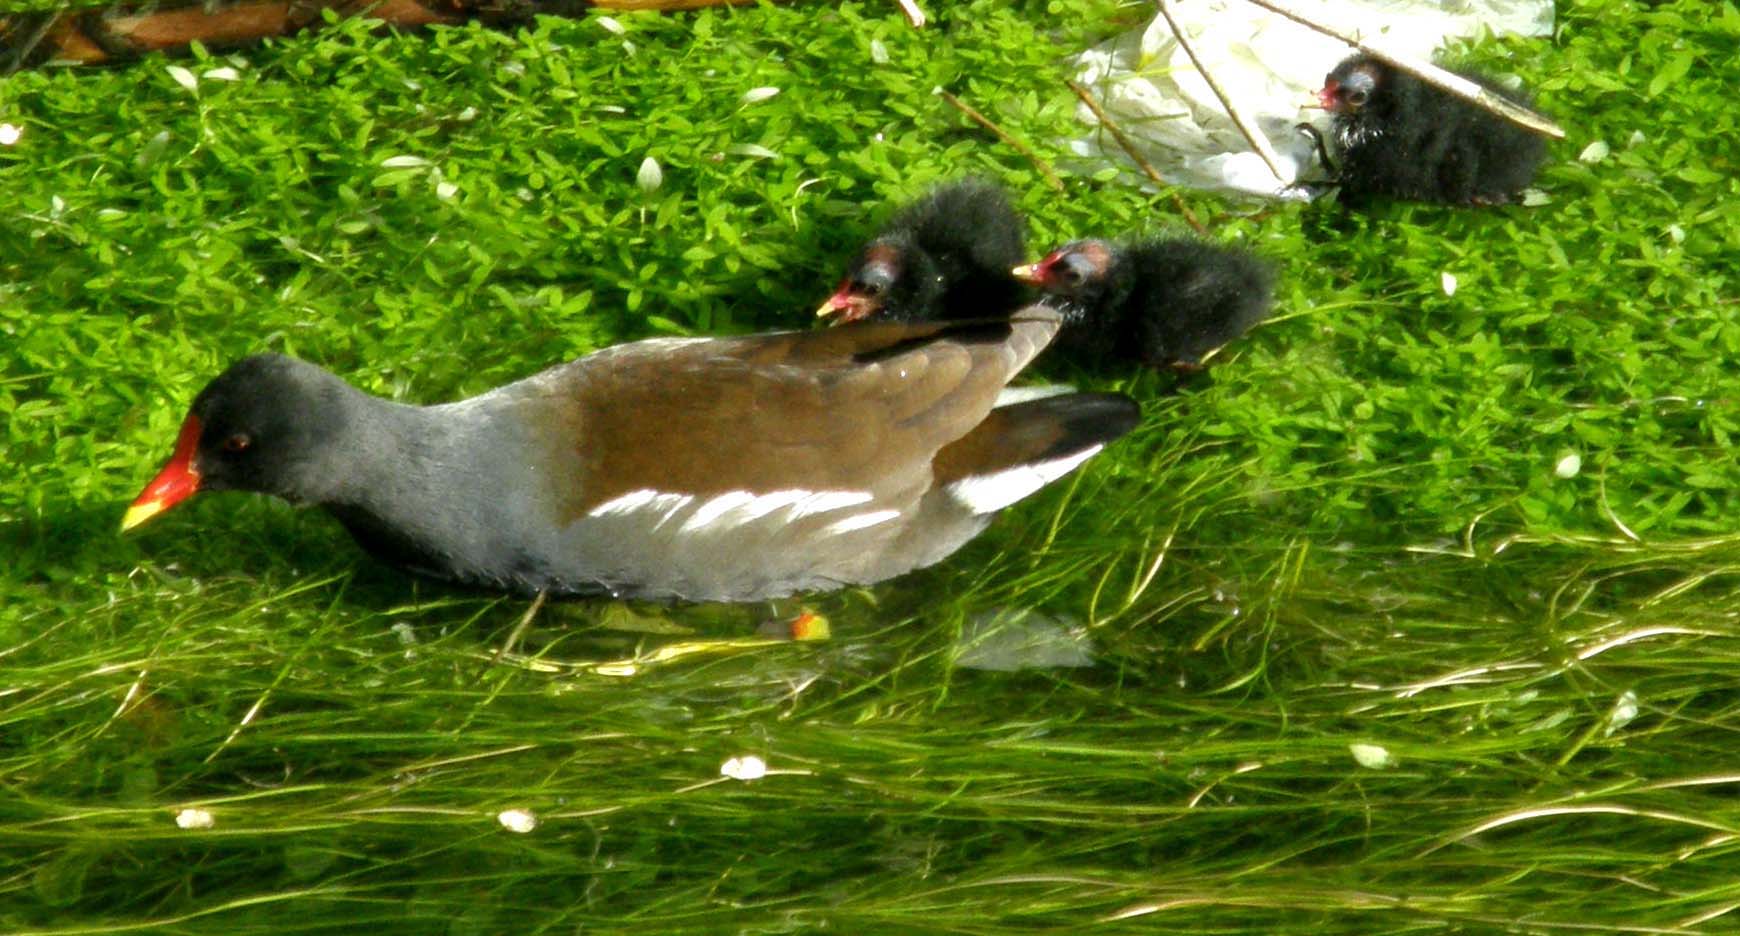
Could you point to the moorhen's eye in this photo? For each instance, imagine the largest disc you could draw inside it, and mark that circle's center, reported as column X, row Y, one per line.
column 238, row 443
column 1357, row 97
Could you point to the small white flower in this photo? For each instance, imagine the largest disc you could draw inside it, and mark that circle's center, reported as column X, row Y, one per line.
column 746, row 768
column 446, row 190
column 1371, row 756
column 183, row 77
column 650, row 176
column 9, row 133
column 225, row 73
column 1676, row 233
column 1447, row 280
column 1637, row 138
column 611, row 25
column 1568, row 465
column 757, row 95
column 1534, row 198
column 1595, row 152
column 517, row 820
column 191, row 818
column 468, row 114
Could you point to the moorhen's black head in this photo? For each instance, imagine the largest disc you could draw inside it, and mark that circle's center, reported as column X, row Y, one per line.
column 891, row 278
column 1086, row 274
column 1351, row 86
column 259, row 426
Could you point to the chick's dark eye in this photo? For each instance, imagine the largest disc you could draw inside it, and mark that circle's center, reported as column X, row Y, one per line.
column 238, row 443
column 1074, row 271
column 1357, row 97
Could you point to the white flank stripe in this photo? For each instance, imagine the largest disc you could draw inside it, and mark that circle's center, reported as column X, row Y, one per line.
column 716, row 508
column 860, row 521
column 983, row 494
column 768, row 503
column 649, row 501
column 627, row 503
column 1009, row 396
column 737, row 508
column 824, row 501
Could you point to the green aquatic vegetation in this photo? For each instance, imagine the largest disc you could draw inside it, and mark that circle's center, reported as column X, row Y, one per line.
column 1415, row 614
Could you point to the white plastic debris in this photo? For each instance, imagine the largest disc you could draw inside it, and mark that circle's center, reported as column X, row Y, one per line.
column 1007, row 640
column 1269, row 67
column 1371, row 756
column 1568, row 466
column 517, row 820
column 192, row 818
column 9, row 133
column 748, row 767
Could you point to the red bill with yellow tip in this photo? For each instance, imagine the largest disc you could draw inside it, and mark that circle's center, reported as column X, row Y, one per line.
column 178, row 480
column 1035, row 274
column 846, row 304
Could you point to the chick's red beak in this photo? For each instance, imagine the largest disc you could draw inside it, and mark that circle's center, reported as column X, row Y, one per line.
column 1035, row 274
column 1326, row 96
column 178, row 480
column 846, row 306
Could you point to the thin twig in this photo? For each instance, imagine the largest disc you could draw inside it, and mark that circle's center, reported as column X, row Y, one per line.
column 1020, row 147
column 1258, row 142
column 520, row 629
column 1129, row 148
column 1430, row 74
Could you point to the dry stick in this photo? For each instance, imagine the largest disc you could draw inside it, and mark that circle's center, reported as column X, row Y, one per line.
column 985, row 122
column 520, row 629
column 1258, row 142
column 1129, row 148
column 914, row 15
column 1430, row 74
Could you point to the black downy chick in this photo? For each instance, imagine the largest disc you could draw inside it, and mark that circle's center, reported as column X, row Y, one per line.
column 1166, row 302
column 1400, row 137
column 944, row 256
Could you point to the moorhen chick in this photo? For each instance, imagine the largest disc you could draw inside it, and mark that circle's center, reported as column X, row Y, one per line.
column 720, row 469
column 1164, row 301
column 946, row 255
column 1400, row 137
